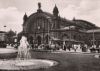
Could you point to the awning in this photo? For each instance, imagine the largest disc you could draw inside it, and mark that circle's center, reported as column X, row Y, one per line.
column 56, row 39
column 73, row 40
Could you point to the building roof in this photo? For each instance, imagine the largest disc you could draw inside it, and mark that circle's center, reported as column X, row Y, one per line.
column 85, row 24
column 93, row 30
column 68, row 28
column 81, row 24
column 2, row 32
column 43, row 13
column 51, row 16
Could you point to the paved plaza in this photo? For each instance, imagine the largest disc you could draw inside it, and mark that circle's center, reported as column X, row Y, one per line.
column 69, row 61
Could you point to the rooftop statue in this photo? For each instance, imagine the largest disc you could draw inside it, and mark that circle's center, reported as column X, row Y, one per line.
column 39, row 5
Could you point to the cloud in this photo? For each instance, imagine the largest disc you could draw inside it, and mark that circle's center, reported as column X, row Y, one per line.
column 69, row 12
column 87, row 6
column 12, row 18
column 87, row 10
column 11, row 12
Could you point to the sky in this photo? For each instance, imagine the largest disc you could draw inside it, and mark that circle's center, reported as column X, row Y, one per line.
column 12, row 11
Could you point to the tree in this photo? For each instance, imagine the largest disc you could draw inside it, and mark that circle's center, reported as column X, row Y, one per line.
column 10, row 36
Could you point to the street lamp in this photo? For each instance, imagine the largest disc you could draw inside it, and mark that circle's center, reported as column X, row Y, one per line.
column 93, row 39
column 49, row 19
column 43, row 34
column 5, row 27
column 69, row 35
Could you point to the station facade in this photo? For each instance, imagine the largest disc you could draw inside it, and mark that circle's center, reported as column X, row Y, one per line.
column 42, row 27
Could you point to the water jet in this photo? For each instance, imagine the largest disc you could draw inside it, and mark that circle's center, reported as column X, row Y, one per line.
column 24, row 61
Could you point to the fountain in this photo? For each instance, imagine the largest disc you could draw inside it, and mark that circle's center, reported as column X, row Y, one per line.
column 24, row 60
column 23, row 49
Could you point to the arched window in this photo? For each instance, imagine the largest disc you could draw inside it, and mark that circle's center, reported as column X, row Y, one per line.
column 65, row 36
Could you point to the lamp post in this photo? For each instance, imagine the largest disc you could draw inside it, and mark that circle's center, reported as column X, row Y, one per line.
column 93, row 38
column 69, row 36
column 5, row 27
column 39, row 40
column 48, row 28
column 48, row 33
column 43, row 34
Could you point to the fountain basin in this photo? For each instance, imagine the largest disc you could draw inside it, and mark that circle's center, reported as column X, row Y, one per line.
column 23, row 59
column 6, row 53
column 26, row 64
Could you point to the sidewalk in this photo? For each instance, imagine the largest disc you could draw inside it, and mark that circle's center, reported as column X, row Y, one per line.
column 73, row 52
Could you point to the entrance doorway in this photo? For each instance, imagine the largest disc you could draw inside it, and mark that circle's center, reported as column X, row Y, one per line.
column 47, row 37
column 39, row 40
